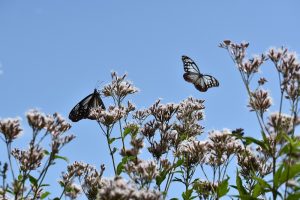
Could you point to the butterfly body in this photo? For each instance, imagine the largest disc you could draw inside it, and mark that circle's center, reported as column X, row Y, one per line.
column 82, row 109
column 192, row 74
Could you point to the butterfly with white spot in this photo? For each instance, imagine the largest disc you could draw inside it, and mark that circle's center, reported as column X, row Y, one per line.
column 83, row 108
column 192, row 74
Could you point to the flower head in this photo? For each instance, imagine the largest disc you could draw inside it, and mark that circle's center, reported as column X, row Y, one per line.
column 10, row 128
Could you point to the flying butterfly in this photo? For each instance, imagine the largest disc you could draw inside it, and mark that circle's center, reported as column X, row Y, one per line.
column 83, row 108
column 192, row 74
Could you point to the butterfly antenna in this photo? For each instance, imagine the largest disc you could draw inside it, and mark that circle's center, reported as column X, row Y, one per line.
column 98, row 85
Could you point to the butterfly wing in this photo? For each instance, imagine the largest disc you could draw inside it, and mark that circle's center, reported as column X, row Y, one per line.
column 82, row 109
column 206, row 81
column 192, row 74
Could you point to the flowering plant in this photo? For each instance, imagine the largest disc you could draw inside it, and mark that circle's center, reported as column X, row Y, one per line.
column 168, row 136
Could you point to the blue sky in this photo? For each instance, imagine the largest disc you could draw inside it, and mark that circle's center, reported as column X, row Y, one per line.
column 53, row 53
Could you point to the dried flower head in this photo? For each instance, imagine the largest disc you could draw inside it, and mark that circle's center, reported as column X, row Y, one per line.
column 193, row 151
column 89, row 178
column 10, row 128
column 118, row 188
column 221, row 145
column 163, row 112
column 119, row 88
column 260, row 101
column 30, row 159
column 205, row 189
column 110, row 116
column 282, row 122
column 251, row 163
column 277, row 54
column 36, row 119
column 251, row 66
column 73, row 191
column 142, row 172
column 190, row 111
column 238, row 51
column 56, row 125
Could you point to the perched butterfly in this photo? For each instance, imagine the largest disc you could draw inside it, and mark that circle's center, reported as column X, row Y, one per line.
column 82, row 109
column 192, row 74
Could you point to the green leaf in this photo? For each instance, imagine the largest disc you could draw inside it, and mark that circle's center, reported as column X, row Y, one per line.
column 46, row 152
column 111, row 140
column 277, row 176
column 288, row 173
column 20, row 177
column 293, row 196
column 126, row 132
column 263, row 184
column 45, row 185
column 258, row 190
column 223, row 188
column 61, row 157
column 187, row 195
column 262, row 144
column 120, row 166
column 239, row 185
column 33, row 180
column 44, row 195
column 161, row 177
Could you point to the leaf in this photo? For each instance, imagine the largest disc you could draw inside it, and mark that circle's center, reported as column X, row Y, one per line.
column 125, row 160
column 263, row 184
column 44, row 195
column 33, row 180
column 111, row 140
column 239, row 185
column 126, row 131
column 277, row 176
column 20, row 177
column 187, row 195
column 289, row 173
column 161, row 177
column 293, row 196
column 46, row 152
column 223, row 188
column 61, row 157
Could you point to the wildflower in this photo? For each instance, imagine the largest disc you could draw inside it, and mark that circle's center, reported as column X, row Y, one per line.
column 56, row 124
column 260, row 101
column 251, row 66
column 251, row 163
column 238, row 51
column 73, row 191
column 190, row 111
column 118, row 188
column 276, row 54
column 30, row 159
column 141, row 115
column 119, row 88
column 142, row 172
column 89, row 176
column 10, row 128
column 36, row 120
column 192, row 151
column 205, row 188
column 110, row 116
column 163, row 113
column 283, row 122
column 221, row 145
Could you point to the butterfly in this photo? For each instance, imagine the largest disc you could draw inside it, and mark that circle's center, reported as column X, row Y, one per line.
column 82, row 109
column 192, row 74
